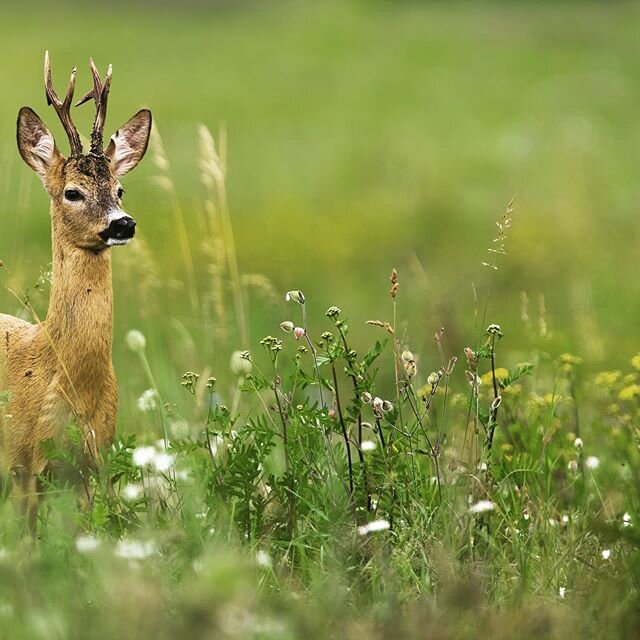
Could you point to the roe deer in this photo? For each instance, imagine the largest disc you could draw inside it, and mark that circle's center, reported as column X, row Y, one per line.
column 60, row 370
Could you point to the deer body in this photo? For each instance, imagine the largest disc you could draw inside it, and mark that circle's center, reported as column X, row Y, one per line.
column 60, row 371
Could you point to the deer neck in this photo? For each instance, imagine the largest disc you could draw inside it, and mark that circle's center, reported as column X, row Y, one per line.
column 80, row 317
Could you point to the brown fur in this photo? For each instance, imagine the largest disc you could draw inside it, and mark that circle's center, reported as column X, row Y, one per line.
column 60, row 371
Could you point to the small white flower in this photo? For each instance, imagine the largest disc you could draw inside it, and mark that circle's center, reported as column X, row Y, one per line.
column 87, row 544
column 481, row 506
column 131, row 492
column 592, row 462
column 561, row 592
column 136, row 341
column 606, row 554
column 565, row 519
column 572, row 466
column 216, row 443
column 372, row 527
column 148, row 401
column 578, row 443
column 163, row 462
column 143, row 456
column 553, row 522
column 263, row 559
column 368, row 445
column 377, row 404
column 240, row 365
column 135, row 549
column 626, row 520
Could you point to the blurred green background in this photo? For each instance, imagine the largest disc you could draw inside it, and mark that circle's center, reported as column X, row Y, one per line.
column 362, row 136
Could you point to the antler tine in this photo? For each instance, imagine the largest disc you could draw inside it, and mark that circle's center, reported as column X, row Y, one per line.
column 100, row 94
column 63, row 108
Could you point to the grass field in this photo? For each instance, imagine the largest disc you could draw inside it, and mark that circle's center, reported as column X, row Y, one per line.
column 348, row 139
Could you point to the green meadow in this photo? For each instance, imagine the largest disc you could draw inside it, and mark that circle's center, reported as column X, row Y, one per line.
column 489, row 153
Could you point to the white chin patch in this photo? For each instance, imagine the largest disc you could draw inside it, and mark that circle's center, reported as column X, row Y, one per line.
column 115, row 242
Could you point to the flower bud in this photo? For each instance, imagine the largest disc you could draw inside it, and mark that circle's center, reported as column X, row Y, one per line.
column 433, row 379
column 298, row 332
column 287, row 326
column 572, row 466
column 407, row 356
column 387, row 406
column 377, row 404
column 578, row 443
column 296, row 296
column 366, row 397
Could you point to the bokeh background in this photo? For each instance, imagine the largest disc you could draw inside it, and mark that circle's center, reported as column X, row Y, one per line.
column 361, row 136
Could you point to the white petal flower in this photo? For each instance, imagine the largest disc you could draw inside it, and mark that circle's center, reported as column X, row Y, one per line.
column 136, row 341
column 561, row 592
column 626, row 520
column 578, row 443
column 163, row 462
column 131, row 492
column 263, row 559
column 144, row 456
column 368, row 445
column 606, row 554
column 481, row 506
column 87, row 544
column 592, row 462
column 240, row 365
column 148, row 401
column 371, row 527
column 135, row 549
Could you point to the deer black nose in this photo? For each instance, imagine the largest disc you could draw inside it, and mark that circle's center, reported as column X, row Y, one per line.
column 119, row 229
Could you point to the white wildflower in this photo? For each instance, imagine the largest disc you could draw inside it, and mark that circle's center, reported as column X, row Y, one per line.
column 481, row 506
column 368, row 445
column 296, row 296
column 606, row 554
column 87, row 544
column 148, row 401
column 263, row 559
column 578, row 443
column 626, row 520
column 132, row 492
column 240, row 365
column 592, row 462
column 135, row 549
column 144, row 456
column 561, row 592
column 163, row 462
column 136, row 341
column 372, row 527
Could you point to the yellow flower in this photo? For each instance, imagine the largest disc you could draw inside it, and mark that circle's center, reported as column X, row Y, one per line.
column 608, row 379
column 501, row 374
column 630, row 378
column 629, row 392
column 635, row 362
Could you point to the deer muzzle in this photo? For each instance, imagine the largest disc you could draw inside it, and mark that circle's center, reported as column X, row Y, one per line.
column 120, row 230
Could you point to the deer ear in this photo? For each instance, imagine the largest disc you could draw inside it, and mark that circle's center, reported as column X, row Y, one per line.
column 129, row 143
column 35, row 143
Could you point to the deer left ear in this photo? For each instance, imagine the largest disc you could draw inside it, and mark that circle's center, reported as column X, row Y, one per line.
column 129, row 143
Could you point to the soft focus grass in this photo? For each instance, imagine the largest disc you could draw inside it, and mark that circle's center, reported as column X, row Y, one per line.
column 361, row 136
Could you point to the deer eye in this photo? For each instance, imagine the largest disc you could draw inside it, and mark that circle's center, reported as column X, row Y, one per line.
column 120, row 193
column 73, row 195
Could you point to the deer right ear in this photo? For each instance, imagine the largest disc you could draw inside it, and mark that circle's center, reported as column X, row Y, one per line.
column 35, row 142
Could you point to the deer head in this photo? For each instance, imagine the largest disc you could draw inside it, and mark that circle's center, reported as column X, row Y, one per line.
column 85, row 191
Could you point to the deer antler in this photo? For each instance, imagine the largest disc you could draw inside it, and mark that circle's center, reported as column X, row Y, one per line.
column 63, row 108
column 99, row 93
